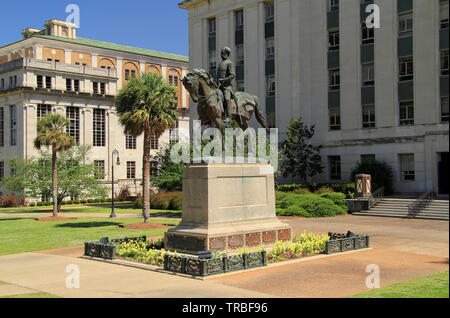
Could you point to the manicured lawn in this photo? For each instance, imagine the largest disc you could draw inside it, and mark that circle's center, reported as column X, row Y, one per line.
column 121, row 208
column 433, row 286
column 28, row 235
column 36, row 295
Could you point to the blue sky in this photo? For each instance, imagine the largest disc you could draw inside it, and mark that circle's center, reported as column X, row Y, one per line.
column 152, row 24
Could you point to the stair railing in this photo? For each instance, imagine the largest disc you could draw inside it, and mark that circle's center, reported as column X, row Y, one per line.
column 421, row 203
column 377, row 196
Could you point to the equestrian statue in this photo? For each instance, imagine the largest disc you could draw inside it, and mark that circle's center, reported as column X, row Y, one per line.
column 219, row 103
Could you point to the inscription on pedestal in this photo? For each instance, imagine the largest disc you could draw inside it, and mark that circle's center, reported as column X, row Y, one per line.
column 236, row 241
column 269, row 237
column 218, row 243
column 253, row 239
column 284, row 235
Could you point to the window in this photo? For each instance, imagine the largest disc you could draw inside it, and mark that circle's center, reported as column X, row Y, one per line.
column 103, row 88
column 367, row 34
column 270, row 85
column 333, row 41
column 175, row 134
column 68, row 84
column 95, row 87
column 76, row 85
column 153, row 168
column 43, row 110
column 212, row 26
column 99, row 130
column 406, row 69
column 240, row 54
column 131, row 170
column 405, row 25
column 444, row 62
column 154, row 143
column 73, row 115
column 368, row 74
column 369, row 116
column 212, row 60
column 240, row 86
column 2, row 84
column 127, row 75
column 335, row 167
column 39, row 81
column 407, row 167
column 335, row 118
column 48, row 82
column 334, row 80
column 2, row 127
column 130, row 142
column 444, row 110
column 239, row 20
column 2, row 170
column 333, row 5
column 270, row 12
column 13, row 125
column 406, row 113
column 367, row 158
column 99, row 169
column 444, row 15
column 270, row 49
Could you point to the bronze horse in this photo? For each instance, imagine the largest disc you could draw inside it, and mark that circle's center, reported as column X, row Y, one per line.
column 210, row 99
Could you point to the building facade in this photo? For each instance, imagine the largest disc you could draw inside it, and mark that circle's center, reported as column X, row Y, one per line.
column 371, row 92
column 53, row 70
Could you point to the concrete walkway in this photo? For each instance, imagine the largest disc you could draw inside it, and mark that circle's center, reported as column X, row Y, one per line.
column 403, row 250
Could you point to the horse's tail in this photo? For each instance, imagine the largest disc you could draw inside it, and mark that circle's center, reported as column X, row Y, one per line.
column 259, row 115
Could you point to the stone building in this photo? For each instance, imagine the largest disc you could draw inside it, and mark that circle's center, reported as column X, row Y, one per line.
column 53, row 70
column 371, row 92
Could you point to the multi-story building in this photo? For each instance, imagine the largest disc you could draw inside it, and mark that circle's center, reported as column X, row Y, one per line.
column 371, row 92
column 53, row 70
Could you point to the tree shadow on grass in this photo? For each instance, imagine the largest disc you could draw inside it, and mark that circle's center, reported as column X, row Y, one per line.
column 12, row 219
column 169, row 215
column 88, row 224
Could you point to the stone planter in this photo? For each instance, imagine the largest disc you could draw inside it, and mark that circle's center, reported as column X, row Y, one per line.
column 213, row 266
column 347, row 244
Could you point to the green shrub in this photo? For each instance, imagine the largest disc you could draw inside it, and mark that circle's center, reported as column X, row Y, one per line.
column 76, row 201
column 176, row 201
column 280, row 195
column 138, row 203
column 32, row 204
column 163, row 201
column 302, row 191
column 324, row 190
column 337, row 198
column 308, row 205
column 381, row 173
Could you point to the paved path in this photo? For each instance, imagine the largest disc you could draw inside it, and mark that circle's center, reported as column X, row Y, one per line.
column 403, row 250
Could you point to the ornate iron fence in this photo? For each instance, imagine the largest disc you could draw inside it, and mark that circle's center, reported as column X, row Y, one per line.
column 421, row 203
column 377, row 196
column 345, row 244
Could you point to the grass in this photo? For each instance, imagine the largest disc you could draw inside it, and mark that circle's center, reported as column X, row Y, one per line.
column 103, row 208
column 432, row 286
column 20, row 235
column 35, row 295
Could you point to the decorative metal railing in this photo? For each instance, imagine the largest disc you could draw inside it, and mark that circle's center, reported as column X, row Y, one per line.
column 421, row 203
column 377, row 196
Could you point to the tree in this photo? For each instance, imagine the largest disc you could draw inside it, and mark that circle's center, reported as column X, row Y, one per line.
column 146, row 105
column 300, row 158
column 34, row 176
column 52, row 134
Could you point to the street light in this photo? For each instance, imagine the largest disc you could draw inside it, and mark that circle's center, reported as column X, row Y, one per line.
column 115, row 152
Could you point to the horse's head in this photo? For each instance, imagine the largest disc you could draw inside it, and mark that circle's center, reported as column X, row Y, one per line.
column 197, row 82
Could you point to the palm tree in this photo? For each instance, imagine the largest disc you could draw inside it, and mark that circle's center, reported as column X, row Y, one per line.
column 146, row 105
column 52, row 133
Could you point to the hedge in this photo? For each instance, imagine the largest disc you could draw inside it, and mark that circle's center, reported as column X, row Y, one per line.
column 346, row 188
column 163, row 201
column 311, row 205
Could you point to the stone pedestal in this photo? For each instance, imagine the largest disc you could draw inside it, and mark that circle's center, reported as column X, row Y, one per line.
column 363, row 186
column 227, row 207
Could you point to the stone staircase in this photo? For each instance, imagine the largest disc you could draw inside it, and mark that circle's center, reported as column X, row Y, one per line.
column 436, row 210
column 387, row 207
column 398, row 208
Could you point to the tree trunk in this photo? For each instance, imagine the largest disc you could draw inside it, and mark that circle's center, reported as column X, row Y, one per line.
column 54, row 183
column 146, row 177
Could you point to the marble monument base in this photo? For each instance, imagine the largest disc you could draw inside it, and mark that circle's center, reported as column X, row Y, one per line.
column 227, row 207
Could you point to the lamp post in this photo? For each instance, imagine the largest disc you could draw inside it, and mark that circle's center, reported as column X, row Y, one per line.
column 115, row 152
